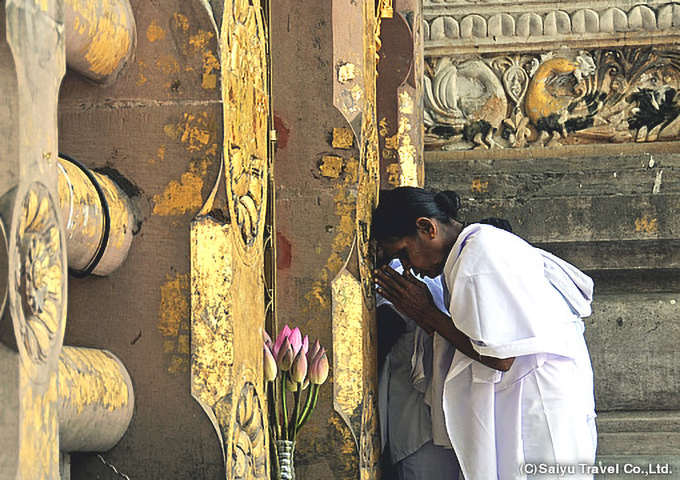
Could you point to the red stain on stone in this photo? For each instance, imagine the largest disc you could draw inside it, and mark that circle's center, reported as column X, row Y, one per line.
column 283, row 251
column 282, row 132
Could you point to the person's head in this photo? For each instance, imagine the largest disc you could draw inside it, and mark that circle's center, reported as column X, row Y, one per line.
column 417, row 226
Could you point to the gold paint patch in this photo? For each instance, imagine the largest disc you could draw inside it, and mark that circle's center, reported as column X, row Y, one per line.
column 168, row 64
column 646, row 225
column 174, row 322
column 155, row 31
column 479, row 186
column 174, row 307
column 348, row 359
column 180, row 21
column 180, row 197
column 331, row 166
column 407, row 151
column 343, row 138
column 347, row 72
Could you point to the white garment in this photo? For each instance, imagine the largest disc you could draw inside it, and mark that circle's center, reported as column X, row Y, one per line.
column 503, row 294
column 404, row 413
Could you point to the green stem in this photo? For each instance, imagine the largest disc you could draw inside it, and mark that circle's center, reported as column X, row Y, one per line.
column 273, row 421
column 292, row 433
column 284, row 408
column 308, row 405
column 313, row 394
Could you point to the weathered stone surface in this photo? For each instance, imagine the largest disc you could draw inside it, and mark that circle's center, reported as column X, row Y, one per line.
column 600, row 212
column 632, row 341
column 157, row 131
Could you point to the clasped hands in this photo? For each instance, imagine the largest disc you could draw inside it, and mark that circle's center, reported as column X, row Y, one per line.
column 408, row 295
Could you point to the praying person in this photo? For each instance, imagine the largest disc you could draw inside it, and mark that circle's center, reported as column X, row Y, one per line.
column 405, row 363
column 519, row 389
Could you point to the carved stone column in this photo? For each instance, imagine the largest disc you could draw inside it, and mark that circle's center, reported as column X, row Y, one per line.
column 355, row 394
column 400, row 96
column 98, row 216
column 36, row 249
column 101, row 37
column 227, row 254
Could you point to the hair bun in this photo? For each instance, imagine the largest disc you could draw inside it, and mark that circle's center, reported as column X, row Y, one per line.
column 448, row 202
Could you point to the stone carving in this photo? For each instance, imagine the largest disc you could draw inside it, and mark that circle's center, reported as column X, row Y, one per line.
column 560, row 98
column 467, row 96
column 249, row 447
column 37, row 298
column 544, row 20
column 246, row 108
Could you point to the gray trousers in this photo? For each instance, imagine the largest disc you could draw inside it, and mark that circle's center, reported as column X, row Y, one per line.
column 429, row 462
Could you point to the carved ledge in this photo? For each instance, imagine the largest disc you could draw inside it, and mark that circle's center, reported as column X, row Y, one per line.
column 450, row 26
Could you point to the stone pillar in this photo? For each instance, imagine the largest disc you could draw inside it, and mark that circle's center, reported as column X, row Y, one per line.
column 98, row 216
column 96, row 400
column 400, row 96
column 324, row 55
column 101, row 37
column 33, row 66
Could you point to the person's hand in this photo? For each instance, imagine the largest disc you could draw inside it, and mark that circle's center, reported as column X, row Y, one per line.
column 408, row 295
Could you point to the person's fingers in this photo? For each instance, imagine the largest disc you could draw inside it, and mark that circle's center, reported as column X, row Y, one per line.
column 387, row 284
column 408, row 275
column 387, row 295
column 392, row 281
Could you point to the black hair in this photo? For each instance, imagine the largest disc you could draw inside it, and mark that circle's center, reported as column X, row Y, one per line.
column 399, row 208
column 498, row 223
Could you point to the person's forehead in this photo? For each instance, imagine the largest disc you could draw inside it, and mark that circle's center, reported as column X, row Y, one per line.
column 393, row 245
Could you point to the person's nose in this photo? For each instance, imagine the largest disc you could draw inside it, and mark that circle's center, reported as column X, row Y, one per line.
column 405, row 263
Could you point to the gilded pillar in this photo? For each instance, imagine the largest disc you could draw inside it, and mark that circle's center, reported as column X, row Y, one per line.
column 101, row 37
column 400, row 96
column 33, row 66
column 227, row 254
column 355, row 33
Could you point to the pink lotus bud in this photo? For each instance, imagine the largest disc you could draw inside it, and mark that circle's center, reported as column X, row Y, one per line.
column 283, row 334
column 313, row 350
column 318, row 370
column 305, row 344
column 265, row 337
column 270, row 369
column 285, row 356
column 298, row 371
column 295, row 338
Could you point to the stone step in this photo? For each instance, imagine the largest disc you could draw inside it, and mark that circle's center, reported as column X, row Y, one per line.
column 635, row 445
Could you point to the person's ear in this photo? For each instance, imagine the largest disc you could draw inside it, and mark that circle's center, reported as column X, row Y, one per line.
column 426, row 226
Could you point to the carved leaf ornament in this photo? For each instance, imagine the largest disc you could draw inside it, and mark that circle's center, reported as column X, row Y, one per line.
column 249, row 452
column 245, row 117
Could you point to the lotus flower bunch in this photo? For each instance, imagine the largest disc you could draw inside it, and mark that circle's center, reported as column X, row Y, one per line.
column 290, row 366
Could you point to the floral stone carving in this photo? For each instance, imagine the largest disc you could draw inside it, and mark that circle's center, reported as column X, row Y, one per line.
column 37, row 298
column 560, row 98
